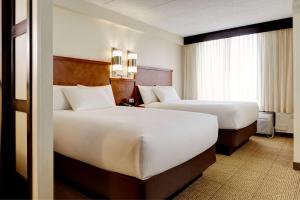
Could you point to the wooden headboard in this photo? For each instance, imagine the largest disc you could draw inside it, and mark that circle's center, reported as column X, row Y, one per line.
column 150, row 76
column 73, row 71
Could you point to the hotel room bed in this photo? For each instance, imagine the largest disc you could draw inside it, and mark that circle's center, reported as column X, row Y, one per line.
column 138, row 143
column 121, row 152
column 231, row 115
column 237, row 120
column 132, row 141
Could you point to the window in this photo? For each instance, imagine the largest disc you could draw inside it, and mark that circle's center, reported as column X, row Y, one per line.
column 228, row 69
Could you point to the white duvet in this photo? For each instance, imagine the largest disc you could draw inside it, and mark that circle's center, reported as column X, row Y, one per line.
column 133, row 141
column 231, row 115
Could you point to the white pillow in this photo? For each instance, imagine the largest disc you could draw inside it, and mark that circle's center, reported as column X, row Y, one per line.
column 166, row 93
column 59, row 100
column 87, row 98
column 106, row 88
column 147, row 94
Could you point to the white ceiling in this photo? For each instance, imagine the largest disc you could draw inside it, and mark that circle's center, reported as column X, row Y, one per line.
column 190, row 17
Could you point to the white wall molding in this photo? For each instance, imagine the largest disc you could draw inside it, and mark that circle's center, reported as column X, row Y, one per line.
column 296, row 30
column 42, row 126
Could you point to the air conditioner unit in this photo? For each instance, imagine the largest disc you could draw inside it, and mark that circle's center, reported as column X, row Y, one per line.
column 266, row 123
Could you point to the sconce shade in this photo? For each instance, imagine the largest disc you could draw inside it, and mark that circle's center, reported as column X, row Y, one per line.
column 132, row 69
column 132, row 62
column 117, row 60
column 117, row 67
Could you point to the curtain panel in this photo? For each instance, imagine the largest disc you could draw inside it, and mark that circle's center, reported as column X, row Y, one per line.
column 190, row 71
column 256, row 67
column 275, row 71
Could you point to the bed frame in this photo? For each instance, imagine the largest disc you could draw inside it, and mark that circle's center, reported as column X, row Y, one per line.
column 101, row 183
column 228, row 140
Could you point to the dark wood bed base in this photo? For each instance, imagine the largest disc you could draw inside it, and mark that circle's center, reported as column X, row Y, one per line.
column 73, row 71
column 101, row 183
column 228, row 140
column 231, row 140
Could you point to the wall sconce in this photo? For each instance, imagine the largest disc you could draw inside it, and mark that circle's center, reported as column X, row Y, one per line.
column 132, row 62
column 117, row 61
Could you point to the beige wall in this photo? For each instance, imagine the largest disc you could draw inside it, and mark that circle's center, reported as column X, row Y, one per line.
column 84, row 34
column 296, row 17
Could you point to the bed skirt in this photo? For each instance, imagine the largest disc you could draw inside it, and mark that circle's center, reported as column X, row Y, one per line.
column 230, row 140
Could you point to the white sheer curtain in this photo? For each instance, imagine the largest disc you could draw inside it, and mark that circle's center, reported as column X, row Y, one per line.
column 256, row 67
column 226, row 69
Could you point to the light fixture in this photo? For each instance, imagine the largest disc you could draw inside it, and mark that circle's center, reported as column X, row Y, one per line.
column 132, row 64
column 117, row 60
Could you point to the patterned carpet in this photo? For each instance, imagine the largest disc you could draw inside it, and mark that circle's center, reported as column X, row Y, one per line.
column 260, row 169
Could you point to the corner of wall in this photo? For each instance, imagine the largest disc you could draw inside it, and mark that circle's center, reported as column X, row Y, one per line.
column 296, row 30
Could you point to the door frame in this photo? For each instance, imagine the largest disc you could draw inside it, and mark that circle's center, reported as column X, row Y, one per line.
column 12, row 184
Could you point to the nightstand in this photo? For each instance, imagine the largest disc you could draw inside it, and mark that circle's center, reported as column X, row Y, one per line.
column 123, row 89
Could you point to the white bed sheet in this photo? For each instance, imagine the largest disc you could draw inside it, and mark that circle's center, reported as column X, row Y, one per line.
column 133, row 141
column 231, row 115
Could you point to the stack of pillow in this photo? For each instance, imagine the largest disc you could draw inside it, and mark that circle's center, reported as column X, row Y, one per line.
column 82, row 97
column 151, row 94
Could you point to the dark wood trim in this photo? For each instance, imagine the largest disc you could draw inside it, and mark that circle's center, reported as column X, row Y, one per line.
column 244, row 30
column 21, row 105
column 20, row 28
column 10, row 179
column 62, row 58
column 21, row 187
column 296, row 166
column 288, row 135
column 7, row 146
column 29, row 103
column 278, row 134
column 155, row 68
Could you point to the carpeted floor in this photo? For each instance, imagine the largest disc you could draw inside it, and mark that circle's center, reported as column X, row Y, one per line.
column 260, row 169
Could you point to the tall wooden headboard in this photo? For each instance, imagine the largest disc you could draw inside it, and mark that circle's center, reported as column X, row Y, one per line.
column 74, row 71
column 150, row 76
column 153, row 76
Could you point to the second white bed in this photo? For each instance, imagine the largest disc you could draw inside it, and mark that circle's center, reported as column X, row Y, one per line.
column 231, row 115
column 133, row 141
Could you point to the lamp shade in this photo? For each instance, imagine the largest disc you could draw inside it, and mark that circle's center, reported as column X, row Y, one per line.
column 117, row 60
column 132, row 62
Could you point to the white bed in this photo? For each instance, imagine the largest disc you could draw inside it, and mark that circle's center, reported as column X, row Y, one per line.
column 132, row 141
column 231, row 115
